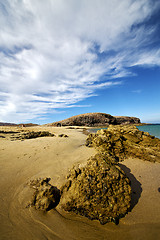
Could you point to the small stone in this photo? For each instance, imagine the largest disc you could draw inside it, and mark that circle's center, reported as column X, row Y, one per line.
column 63, row 135
column 45, row 196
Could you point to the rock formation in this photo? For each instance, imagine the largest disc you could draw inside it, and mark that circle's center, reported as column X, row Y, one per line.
column 95, row 120
column 98, row 190
column 126, row 120
column 23, row 134
column 7, row 124
column 18, row 125
column 33, row 134
column 126, row 141
column 63, row 135
column 45, row 196
column 27, row 125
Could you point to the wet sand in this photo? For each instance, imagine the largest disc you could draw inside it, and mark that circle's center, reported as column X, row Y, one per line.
column 22, row 161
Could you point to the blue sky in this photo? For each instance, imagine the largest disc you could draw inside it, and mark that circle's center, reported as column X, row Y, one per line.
column 61, row 58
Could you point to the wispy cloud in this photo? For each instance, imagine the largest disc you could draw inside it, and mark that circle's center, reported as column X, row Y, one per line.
column 138, row 91
column 55, row 53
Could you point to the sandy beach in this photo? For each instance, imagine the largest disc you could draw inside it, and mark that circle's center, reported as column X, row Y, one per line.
column 22, row 161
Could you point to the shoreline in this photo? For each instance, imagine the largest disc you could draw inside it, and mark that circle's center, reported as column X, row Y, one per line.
column 24, row 160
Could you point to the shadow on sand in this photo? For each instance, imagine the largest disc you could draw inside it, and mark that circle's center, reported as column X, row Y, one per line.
column 135, row 185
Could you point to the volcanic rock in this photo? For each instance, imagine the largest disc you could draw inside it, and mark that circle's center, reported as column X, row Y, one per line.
column 20, row 134
column 7, row 124
column 126, row 120
column 32, row 134
column 27, row 125
column 123, row 142
column 95, row 119
column 45, row 196
column 63, row 135
column 98, row 190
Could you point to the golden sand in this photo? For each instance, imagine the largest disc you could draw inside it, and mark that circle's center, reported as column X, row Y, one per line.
column 22, row 161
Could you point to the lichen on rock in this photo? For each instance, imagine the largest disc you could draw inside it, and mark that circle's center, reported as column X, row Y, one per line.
column 20, row 134
column 46, row 196
column 126, row 141
column 33, row 134
column 99, row 190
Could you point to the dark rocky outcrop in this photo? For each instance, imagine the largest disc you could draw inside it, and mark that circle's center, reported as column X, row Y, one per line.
column 98, row 190
column 63, row 135
column 27, row 125
column 126, row 120
column 18, row 125
column 7, row 124
column 95, row 120
column 87, row 119
column 123, row 142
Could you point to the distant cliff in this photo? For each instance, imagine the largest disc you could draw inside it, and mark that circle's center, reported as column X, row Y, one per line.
column 95, row 120
column 27, row 125
column 18, row 125
column 7, row 124
column 126, row 120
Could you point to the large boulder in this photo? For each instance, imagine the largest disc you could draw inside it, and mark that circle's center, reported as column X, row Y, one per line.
column 126, row 141
column 98, row 190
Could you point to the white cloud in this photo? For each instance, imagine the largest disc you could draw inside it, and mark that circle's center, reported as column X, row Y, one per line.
column 138, row 91
column 54, row 52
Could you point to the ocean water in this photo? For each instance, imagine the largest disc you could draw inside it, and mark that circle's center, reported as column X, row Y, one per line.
column 152, row 129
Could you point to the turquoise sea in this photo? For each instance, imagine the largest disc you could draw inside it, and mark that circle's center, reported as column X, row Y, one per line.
column 152, row 129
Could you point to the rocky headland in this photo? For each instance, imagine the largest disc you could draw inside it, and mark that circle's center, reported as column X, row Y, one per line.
column 95, row 119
